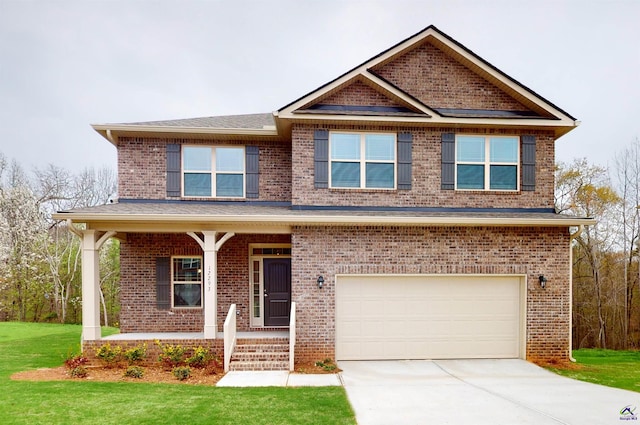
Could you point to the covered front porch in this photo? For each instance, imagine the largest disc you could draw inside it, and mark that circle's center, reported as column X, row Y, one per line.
column 185, row 274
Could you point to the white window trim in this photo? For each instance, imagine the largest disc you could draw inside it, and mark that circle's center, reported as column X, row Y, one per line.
column 487, row 163
column 213, row 172
column 363, row 161
column 258, row 322
column 173, row 282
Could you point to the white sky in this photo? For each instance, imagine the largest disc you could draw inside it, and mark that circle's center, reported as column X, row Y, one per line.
column 67, row 64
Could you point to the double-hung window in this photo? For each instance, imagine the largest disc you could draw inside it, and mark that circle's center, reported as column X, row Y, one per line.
column 217, row 172
column 363, row 160
column 487, row 162
column 186, row 282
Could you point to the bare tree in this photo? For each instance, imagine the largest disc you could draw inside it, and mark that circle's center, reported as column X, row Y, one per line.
column 584, row 189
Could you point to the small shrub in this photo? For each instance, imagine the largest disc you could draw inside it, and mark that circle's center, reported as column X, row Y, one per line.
column 75, row 360
column 327, row 364
column 134, row 372
column 135, row 354
column 182, row 372
column 172, row 355
column 109, row 355
column 200, row 358
column 79, row 372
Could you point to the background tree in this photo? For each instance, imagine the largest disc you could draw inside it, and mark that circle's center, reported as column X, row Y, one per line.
column 584, row 190
column 40, row 275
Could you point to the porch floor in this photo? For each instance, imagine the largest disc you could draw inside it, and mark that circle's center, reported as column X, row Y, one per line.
column 150, row 336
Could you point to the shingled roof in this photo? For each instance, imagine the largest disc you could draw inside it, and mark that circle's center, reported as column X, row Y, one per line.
column 254, row 121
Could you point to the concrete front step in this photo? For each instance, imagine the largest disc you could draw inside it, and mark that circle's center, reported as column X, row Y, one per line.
column 259, row 365
column 263, row 357
column 262, row 348
column 260, row 354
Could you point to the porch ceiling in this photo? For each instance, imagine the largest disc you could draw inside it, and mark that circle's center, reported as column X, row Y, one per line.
column 240, row 217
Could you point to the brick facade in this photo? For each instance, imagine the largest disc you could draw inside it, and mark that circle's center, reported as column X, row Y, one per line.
column 138, row 254
column 142, row 167
column 449, row 84
column 425, row 191
column 286, row 174
column 330, row 251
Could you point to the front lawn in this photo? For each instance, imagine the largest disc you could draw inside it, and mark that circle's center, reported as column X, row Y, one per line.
column 27, row 346
column 619, row 369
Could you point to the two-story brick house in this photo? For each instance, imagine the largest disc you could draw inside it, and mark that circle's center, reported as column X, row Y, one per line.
column 406, row 207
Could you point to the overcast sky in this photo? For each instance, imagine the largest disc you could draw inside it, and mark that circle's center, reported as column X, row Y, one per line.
column 67, row 64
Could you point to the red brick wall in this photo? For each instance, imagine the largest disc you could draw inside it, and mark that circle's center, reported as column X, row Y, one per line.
column 329, row 251
column 137, row 282
column 426, row 184
column 142, row 169
column 438, row 81
column 358, row 94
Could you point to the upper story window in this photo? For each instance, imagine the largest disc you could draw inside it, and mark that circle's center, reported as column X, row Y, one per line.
column 213, row 171
column 487, row 162
column 362, row 160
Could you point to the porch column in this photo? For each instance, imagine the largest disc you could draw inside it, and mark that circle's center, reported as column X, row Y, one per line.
column 210, row 284
column 90, row 290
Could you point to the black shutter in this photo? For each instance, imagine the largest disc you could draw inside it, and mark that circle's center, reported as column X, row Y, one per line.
column 173, row 170
column 448, row 161
column 405, row 141
column 163, row 283
column 321, row 159
column 528, row 162
column 252, row 176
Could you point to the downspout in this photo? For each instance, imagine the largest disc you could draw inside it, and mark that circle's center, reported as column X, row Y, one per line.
column 572, row 236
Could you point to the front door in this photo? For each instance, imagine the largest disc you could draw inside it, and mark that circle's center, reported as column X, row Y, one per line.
column 277, row 291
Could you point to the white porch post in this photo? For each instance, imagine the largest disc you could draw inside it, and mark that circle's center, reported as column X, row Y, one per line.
column 210, row 248
column 90, row 290
column 210, row 284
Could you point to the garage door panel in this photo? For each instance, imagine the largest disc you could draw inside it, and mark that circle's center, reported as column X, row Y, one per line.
column 423, row 317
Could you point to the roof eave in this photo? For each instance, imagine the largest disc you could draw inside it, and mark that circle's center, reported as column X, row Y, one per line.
column 329, row 220
column 559, row 127
column 112, row 132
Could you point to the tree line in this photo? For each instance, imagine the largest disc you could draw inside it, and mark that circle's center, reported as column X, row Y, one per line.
column 40, row 259
column 606, row 257
column 40, row 267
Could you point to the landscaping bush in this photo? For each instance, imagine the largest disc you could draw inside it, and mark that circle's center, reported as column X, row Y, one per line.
column 75, row 360
column 182, row 372
column 327, row 364
column 136, row 354
column 171, row 356
column 134, row 372
column 200, row 358
column 79, row 372
column 109, row 355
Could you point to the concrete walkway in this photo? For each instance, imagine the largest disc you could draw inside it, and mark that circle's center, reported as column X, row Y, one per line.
column 478, row 392
column 277, row 379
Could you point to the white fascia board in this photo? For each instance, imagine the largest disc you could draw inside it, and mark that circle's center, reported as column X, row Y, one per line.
column 399, row 93
column 108, row 129
column 436, row 120
column 328, row 220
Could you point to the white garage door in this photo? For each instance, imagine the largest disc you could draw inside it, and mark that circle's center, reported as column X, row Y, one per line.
column 428, row 317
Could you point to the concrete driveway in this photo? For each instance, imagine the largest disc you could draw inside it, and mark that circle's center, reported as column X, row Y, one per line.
column 478, row 392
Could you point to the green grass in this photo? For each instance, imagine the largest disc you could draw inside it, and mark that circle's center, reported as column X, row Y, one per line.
column 26, row 346
column 619, row 369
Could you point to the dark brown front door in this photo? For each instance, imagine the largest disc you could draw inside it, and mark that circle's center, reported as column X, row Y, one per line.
column 277, row 291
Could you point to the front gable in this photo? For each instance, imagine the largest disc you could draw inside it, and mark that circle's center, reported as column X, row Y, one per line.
column 440, row 81
column 428, row 79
